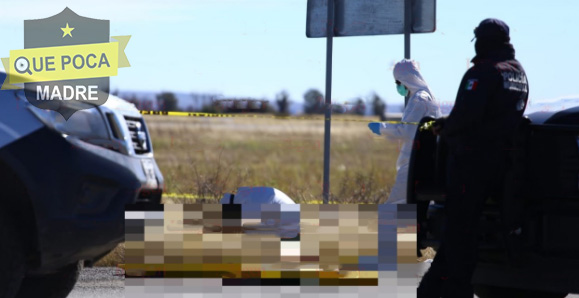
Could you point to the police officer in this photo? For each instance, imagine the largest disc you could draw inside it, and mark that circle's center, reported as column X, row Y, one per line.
column 479, row 131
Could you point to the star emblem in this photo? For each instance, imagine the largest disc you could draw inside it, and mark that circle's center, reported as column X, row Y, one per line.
column 66, row 31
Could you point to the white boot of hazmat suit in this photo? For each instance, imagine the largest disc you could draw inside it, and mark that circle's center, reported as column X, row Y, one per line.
column 420, row 104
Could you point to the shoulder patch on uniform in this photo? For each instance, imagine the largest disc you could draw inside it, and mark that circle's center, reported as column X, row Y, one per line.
column 471, row 84
column 515, row 81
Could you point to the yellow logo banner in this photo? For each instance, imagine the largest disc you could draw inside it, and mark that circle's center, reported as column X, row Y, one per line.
column 67, row 62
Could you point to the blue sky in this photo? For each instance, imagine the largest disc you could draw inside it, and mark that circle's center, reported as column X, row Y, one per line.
column 259, row 47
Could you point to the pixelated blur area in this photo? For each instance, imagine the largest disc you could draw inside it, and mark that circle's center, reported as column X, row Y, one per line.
column 200, row 246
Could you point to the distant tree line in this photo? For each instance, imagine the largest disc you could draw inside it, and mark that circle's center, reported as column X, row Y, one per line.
column 164, row 101
column 314, row 103
column 247, row 105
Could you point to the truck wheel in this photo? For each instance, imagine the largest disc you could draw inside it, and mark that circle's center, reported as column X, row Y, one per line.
column 54, row 285
column 486, row 291
column 12, row 258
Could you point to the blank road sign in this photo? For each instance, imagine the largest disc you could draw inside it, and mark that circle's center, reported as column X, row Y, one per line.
column 369, row 17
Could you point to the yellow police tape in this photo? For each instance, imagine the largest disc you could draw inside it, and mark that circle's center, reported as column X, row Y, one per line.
column 217, row 115
column 232, row 270
column 190, row 196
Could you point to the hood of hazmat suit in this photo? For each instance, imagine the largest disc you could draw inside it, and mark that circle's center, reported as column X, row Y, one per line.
column 421, row 104
column 279, row 214
column 257, row 195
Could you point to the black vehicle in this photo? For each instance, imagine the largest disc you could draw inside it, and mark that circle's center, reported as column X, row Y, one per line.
column 537, row 257
column 63, row 189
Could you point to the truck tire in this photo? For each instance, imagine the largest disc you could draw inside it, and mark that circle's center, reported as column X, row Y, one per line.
column 54, row 285
column 486, row 291
column 12, row 257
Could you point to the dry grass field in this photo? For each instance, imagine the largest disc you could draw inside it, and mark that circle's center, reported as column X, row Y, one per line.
column 210, row 156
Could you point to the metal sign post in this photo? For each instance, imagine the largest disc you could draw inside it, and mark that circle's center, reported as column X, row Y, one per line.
column 407, row 29
column 328, row 107
column 329, row 18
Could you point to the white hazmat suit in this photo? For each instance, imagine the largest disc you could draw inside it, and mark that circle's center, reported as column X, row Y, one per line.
column 279, row 213
column 421, row 104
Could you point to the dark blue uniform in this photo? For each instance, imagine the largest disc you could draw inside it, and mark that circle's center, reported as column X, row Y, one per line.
column 490, row 102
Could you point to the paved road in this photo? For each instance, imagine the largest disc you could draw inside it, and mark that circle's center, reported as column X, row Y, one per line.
column 102, row 283
column 99, row 283
column 423, row 267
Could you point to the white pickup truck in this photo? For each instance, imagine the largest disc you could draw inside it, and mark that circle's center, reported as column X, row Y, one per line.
column 63, row 189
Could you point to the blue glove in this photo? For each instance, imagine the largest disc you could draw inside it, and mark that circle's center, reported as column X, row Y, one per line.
column 374, row 127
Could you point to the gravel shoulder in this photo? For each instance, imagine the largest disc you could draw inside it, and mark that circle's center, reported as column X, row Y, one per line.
column 99, row 282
